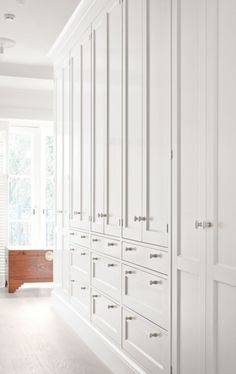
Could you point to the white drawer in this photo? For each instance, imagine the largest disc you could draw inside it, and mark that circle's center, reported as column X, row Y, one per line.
column 80, row 297
column 80, row 238
column 146, row 343
column 154, row 259
column 146, row 294
column 106, row 315
column 107, row 246
column 79, row 264
column 106, row 275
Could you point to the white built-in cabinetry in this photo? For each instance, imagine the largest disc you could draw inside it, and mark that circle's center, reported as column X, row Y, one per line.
column 145, row 135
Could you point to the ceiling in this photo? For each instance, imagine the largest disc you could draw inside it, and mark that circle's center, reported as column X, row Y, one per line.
column 36, row 26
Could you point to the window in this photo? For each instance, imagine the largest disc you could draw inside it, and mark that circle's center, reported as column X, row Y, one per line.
column 31, row 187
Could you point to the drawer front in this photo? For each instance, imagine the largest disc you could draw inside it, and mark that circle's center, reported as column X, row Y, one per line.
column 80, row 261
column 80, row 238
column 80, row 297
column 107, row 246
column 146, row 294
column 106, row 274
column 79, row 264
column 106, row 315
column 154, row 259
column 146, row 343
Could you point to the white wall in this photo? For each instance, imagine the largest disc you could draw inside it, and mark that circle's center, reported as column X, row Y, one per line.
column 26, row 92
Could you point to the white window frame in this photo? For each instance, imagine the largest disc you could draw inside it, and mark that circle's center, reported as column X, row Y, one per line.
column 38, row 183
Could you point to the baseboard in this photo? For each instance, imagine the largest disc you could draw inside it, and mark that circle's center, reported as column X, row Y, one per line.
column 106, row 351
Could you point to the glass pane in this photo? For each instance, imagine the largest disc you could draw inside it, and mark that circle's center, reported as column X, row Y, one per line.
column 20, row 198
column 49, row 199
column 49, row 233
column 49, row 156
column 20, row 233
column 19, row 154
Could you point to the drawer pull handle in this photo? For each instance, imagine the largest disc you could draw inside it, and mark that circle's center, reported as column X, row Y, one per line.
column 140, row 219
column 95, row 258
column 103, row 215
column 129, row 272
column 155, row 282
column 72, row 249
column 83, row 288
column 111, row 306
column 155, row 255
column 94, row 240
column 130, row 249
column 72, row 280
column 110, row 244
column 94, row 296
column 155, row 335
column 110, row 265
column 83, row 236
column 76, row 213
column 72, row 233
column 136, row 218
column 129, row 318
column 83, row 254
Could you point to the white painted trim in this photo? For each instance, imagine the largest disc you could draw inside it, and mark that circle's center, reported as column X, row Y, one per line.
column 116, row 360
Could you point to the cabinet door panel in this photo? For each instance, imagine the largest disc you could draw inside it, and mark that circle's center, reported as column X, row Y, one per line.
column 66, row 145
column 157, row 121
column 189, row 244
column 59, row 148
column 221, row 201
column 113, row 182
column 76, row 138
column 99, row 31
column 81, row 154
column 132, row 184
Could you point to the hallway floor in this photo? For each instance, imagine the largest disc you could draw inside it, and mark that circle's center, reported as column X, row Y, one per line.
column 34, row 340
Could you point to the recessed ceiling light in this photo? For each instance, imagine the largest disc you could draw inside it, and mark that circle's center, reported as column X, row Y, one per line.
column 6, row 43
column 9, row 16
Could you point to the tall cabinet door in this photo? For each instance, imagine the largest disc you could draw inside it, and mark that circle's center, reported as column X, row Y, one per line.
column 113, row 156
column 189, row 193
column 76, row 136
column 81, row 133
column 66, row 175
column 57, row 262
column 99, row 37
column 156, row 121
column 221, row 198
column 132, row 167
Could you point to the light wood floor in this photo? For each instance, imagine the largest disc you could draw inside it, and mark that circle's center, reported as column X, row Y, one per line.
column 34, row 340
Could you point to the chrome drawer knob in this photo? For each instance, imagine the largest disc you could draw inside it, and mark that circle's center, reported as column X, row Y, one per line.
column 129, row 318
column 111, row 306
column 103, row 215
column 129, row 272
column 95, row 258
column 135, row 218
column 83, row 236
column 110, row 244
column 95, row 296
column 207, row 225
column 130, row 249
column 94, row 240
column 141, row 219
column 155, row 282
column 110, row 265
column 83, row 254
